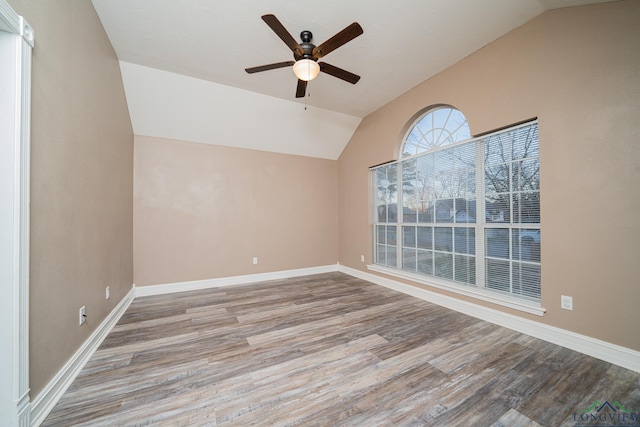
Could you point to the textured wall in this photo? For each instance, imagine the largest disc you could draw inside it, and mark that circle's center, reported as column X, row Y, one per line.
column 203, row 211
column 81, row 182
column 577, row 70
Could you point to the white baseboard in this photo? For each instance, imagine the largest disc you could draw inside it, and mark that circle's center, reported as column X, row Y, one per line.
column 47, row 399
column 602, row 350
column 168, row 288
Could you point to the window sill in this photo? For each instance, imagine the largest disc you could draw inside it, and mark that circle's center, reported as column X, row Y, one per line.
column 480, row 294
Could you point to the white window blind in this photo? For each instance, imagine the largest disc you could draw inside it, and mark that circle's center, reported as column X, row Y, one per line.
column 461, row 210
column 512, row 196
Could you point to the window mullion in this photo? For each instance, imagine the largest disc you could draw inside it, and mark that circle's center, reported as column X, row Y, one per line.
column 513, row 196
column 400, row 216
column 481, row 216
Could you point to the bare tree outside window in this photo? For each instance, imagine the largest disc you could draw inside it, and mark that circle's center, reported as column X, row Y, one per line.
column 452, row 194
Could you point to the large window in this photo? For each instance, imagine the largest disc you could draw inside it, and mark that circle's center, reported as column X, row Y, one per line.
column 462, row 211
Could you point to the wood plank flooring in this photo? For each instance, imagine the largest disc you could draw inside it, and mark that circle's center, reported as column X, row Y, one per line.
column 328, row 350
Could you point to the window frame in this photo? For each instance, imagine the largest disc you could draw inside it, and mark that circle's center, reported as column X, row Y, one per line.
column 478, row 289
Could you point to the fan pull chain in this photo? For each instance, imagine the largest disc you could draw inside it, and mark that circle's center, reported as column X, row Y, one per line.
column 308, row 95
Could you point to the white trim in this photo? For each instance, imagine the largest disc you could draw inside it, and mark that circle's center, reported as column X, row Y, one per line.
column 23, row 403
column 608, row 352
column 142, row 291
column 26, row 32
column 612, row 353
column 51, row 394
column 17, row 42
column 478, row 293
column 47, row 399
column 9, row 20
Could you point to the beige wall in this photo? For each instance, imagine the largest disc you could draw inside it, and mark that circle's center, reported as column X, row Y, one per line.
column 578, row 71
column 81, row 181
column 203, row 211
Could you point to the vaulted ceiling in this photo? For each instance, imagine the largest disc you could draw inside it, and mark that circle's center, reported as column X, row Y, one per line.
column 183, row 63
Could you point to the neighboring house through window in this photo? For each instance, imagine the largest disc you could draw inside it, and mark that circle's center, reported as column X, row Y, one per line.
column 462, row 212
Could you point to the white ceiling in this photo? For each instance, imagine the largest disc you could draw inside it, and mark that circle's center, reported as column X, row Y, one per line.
column 169, row 105
column 404, row 43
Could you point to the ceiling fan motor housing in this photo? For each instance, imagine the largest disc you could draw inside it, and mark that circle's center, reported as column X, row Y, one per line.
column 307, row 47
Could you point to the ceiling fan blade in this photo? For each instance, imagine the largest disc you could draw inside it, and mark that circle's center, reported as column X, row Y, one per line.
column 339, row 73
column 301, row 90
column 269, row 67
column 344, row 36
column 282, row 32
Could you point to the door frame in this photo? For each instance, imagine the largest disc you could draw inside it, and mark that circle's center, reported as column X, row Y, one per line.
column 16, row 43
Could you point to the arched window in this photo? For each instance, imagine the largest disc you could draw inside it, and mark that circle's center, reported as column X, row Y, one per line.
column 437, row 128
column 460, row 212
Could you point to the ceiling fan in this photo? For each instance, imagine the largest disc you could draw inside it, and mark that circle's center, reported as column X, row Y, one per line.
column 306, row 66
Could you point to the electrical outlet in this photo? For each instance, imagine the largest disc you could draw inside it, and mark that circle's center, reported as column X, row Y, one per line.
column 82, row 315
column 361, row 258
column 566, row 302
column 255, row 259
column 107, row 294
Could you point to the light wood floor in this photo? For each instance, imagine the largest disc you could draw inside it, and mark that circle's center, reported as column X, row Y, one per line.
column 328, row 350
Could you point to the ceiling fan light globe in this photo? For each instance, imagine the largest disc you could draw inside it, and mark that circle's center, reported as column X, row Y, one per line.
column 306, row 69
